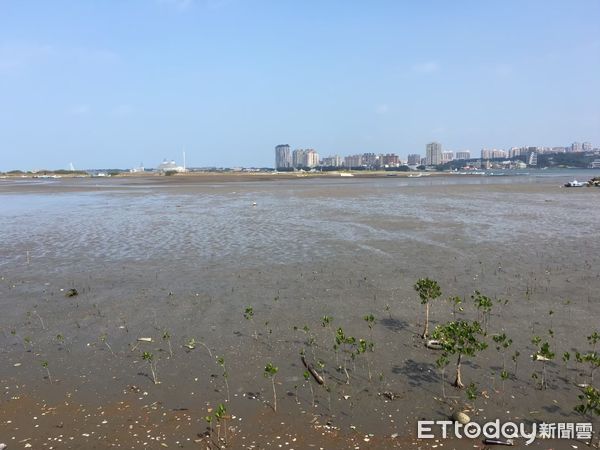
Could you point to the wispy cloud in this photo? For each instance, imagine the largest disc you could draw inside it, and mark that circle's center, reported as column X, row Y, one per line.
column 426, row 67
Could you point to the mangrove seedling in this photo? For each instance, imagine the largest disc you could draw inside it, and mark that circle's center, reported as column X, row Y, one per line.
column 149, row 358
column 270, row 372
column 471, row 393
column 543, row 354
column 592, row 359
column 306, row 375
column 221, row 362
column 515, row 359
column 593, row 339
column 460, row 338
column 249, row 315
column 428, row 290
column 29, row 343
column 167, row 337
column 484, row 308
column 342, row 341
column 456, row 305
column 208, row 420
column 590, row 404
column 45, row 366
column 566, row 357
column 363, row 348
column 221, row 416
column 503, row 342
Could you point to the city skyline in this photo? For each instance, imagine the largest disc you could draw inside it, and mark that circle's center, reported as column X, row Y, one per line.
column 110, row 84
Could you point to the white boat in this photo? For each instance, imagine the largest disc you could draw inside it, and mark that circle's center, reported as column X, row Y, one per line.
column 575, row 183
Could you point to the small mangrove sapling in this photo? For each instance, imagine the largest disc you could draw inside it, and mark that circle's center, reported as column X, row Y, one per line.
column 543, row 354
column 45, row 366
column 270, row 372
column 167, row 337
column 428, row 290
column 249, row 315
column 460, row 338
column 149, row 358
column 590, row 404
column 221, row 362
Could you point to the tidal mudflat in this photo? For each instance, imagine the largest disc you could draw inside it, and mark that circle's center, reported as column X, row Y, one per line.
column 220, row 279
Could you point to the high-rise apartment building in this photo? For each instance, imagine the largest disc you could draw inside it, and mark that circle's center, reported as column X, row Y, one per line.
column 413, row 159
column 332, row 161
column 283, row 157
column 586, row 146
column 433, row 154
column 447, row 156
column 312, row 158
column 389, row 160
column 465, row 154
column 353, row 161
column 492, row 153
column 299, row 158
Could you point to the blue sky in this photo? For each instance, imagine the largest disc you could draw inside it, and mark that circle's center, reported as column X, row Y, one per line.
column 112, row 83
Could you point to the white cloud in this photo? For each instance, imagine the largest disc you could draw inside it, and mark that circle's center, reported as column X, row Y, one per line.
column 426, row 67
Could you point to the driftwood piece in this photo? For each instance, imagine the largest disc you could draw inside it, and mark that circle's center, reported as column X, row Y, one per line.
column 318, row 378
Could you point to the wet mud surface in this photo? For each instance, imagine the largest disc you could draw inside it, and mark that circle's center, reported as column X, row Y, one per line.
column 188, row 258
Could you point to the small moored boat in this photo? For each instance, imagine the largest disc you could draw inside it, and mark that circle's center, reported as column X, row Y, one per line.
column 574, row 183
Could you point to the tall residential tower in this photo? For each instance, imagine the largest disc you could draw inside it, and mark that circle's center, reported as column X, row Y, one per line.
column 283, row 157
column 434, row 154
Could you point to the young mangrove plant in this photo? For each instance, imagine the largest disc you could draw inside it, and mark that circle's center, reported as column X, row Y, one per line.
column 592, row 359
column 460, row 338
column 428, row 290
column 249, row 316
column 566, row 357
column 542, row 354
column 484, row 309
column 306, row 375
column 363, row 348
column 515, row 360
column 209, row 420
column 167, row 337
column 45, row 366
column 456, row 302
column 270, row 372
column 503, row 342
column 221, row 416
column 149, row 358
column 472, row 393
column 221, row 362
column 590, row 405
column 345, row 343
